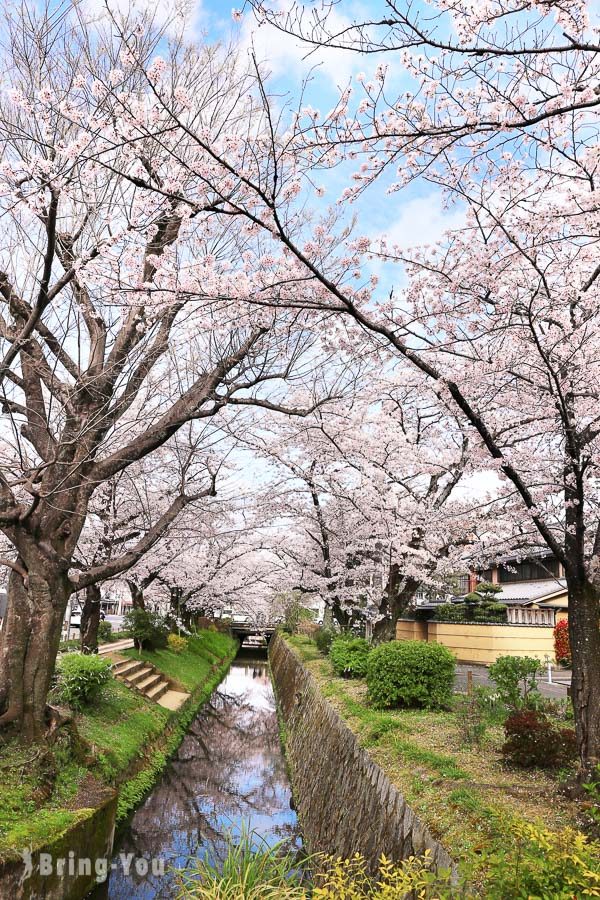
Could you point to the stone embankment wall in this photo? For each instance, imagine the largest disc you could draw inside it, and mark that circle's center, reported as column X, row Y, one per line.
column 346, row 804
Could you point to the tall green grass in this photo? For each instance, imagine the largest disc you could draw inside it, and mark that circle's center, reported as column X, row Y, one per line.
column 251, row 870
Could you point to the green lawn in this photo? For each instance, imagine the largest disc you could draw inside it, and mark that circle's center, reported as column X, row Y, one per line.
column 39, row 784
column 191, row 667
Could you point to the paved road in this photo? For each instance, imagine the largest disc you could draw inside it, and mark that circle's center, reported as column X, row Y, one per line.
column 561, row 679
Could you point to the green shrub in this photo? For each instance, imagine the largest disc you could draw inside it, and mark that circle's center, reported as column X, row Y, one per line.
column 515, row 679
column 410, row 673
column 538, row 863
column 349, row 655
column 147, row 629
column 324, row 638
column 104, row 632
column 81, row 678
column 176, row 643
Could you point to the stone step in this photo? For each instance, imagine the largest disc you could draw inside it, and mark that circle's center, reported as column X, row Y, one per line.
column 156, row 692
column 139, row 675
column 125, row 668
column 173, row 699
column 150, row 682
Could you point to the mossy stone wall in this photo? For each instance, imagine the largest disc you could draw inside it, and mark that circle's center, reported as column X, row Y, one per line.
column 346, row 804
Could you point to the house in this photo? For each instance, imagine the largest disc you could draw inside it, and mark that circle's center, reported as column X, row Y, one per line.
column 534, row 588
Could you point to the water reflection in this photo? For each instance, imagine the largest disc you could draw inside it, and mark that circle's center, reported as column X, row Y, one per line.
column 229, row 773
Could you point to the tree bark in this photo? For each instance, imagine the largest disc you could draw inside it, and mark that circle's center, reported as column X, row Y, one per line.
column 584, row 635
column 396, row 602
column 137, row 595
column 28, row 646
column 90, row 619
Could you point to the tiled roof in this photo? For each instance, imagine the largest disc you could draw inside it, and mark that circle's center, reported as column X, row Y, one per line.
column 520, row 592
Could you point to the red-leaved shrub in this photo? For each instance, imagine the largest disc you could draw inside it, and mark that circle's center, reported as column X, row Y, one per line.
column 533, row 740
column 562, row 647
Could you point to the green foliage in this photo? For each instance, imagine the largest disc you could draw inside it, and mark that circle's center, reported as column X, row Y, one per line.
column 515, row 678
column 148, row 629
column 290, row 608
column 533, row 740
column 349, row 879
column 410, row 673
column 324, row 638
column 104, row 632
column 251, row 870
column 81, row 678
column 534, row 862
column 449, row 612
column 176, row 643
column 349, row 656
column 480, row 605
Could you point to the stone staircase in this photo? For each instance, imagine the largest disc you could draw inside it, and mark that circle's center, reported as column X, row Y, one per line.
column 142, row 676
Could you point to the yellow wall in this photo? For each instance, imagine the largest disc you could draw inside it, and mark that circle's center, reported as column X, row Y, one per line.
column 485, row 643
column 409, row 630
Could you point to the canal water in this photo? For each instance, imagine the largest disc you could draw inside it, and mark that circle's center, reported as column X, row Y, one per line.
column 228, row 775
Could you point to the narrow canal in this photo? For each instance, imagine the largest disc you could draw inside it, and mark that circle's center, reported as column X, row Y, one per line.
column 228, row 774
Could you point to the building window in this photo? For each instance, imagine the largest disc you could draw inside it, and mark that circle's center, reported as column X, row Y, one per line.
column 528, row 571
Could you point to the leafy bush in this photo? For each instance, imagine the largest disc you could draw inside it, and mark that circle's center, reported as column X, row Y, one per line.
column 147, row 629
column 537, row 862
column 176, row 643
column 349, row 655
column 449, row 612
column 81, row 678
column 562, row 645
column 104, row 631
column 533, row 740
column 465, row 612
column 349, row 879
column 515, row 680
column 324, row 638
column 410, row 673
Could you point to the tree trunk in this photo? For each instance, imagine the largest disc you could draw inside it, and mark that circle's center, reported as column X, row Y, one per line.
column 29, row 643
column 90, row 619
column 397, row 600
column 584, row 635
column 137, row 595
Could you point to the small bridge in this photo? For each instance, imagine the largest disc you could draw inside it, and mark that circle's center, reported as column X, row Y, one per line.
column 243, row 630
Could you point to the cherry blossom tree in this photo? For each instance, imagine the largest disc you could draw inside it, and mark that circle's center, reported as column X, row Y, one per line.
column 114, row 326
column 502, row 315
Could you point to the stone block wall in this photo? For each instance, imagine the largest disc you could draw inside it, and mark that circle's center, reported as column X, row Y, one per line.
column 346, row 803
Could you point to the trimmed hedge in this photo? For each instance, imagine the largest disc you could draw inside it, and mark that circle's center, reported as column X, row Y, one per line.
column 410, row 673
column 349, row 655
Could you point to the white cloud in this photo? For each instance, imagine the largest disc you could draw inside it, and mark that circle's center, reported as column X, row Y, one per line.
column 422, row 220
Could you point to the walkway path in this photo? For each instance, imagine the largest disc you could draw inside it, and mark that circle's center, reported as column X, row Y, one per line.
column 561, row 680
column 124, row 644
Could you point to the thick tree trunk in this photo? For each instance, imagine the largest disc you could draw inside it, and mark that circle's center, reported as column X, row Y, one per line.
column 584, row 635
column 28, row 647
column 137, row 595
column 90, row 619
column 396, row 602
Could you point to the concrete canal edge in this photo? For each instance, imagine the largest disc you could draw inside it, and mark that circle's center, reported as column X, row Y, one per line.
column 91, row 837
column 346, row 804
